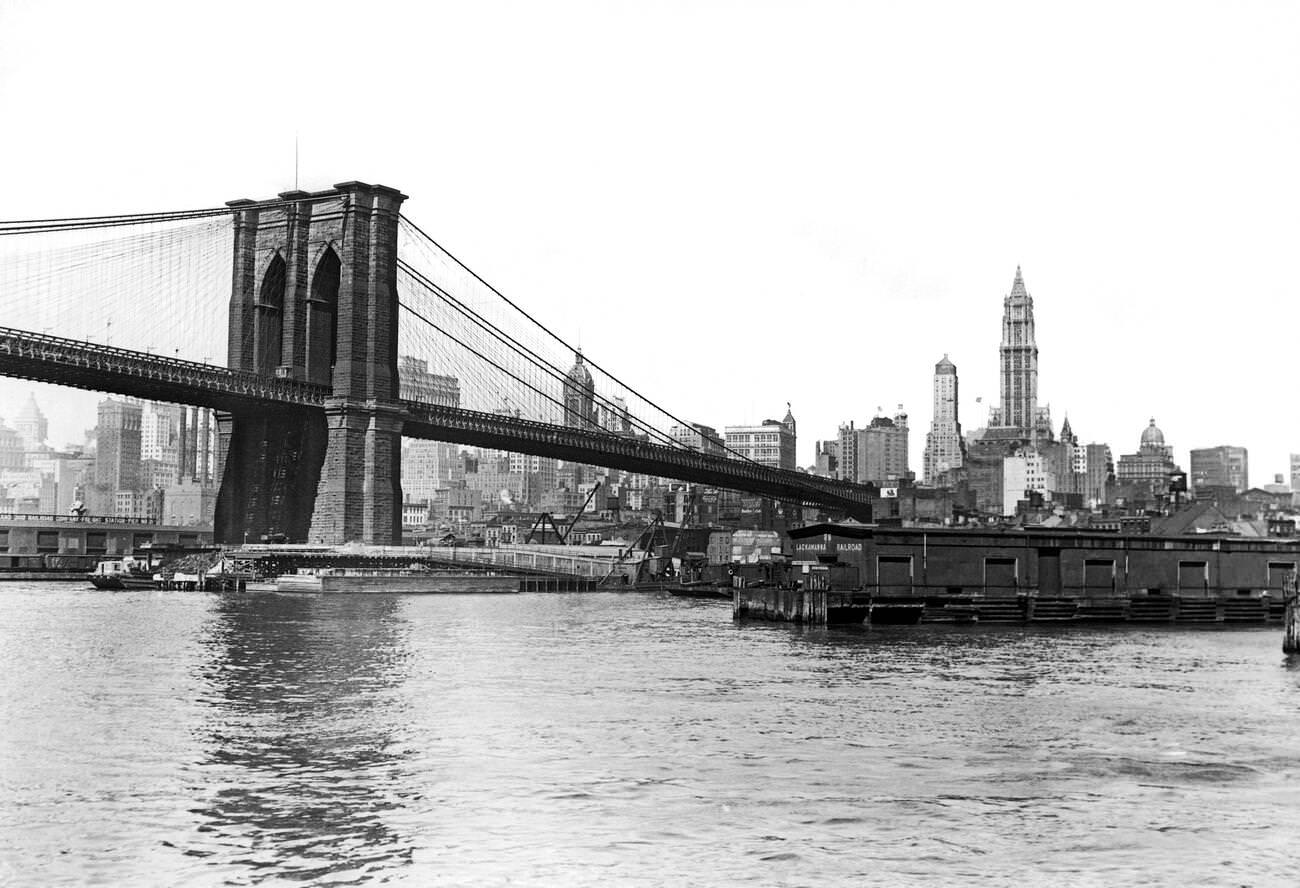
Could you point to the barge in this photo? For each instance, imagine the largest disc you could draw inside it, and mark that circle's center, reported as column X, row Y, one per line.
column 395, row 580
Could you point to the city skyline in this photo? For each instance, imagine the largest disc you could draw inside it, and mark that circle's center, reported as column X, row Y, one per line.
column 1023, row 310
column 868, row 234
column 441, row 389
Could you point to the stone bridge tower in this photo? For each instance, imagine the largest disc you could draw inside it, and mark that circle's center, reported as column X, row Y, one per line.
column 314, row 299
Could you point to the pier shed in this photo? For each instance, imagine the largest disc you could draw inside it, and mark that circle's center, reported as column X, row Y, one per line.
column 1031, row 574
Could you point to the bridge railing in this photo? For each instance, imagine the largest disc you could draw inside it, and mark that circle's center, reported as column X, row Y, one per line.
column 89, row 356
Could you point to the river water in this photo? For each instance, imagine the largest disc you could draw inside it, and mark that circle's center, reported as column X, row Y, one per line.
column 165, row 738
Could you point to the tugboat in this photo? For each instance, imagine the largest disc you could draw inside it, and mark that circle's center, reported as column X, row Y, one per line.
column 126, row 572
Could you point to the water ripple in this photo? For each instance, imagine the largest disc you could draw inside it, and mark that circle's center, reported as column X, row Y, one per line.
column 625, row 739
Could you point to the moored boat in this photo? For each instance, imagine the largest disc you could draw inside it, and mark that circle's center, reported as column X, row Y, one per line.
column 123, row 573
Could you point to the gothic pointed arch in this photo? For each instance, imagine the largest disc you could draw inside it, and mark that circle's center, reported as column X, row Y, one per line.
column 268, row 317
column 323, row 317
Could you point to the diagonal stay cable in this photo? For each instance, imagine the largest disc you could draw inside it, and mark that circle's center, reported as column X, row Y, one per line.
column 736, row 454
column 477, row 353
column 480, row 354
column 527, row 353
column 561, row 340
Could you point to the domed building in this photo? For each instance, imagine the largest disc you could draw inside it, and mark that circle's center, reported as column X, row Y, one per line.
column 1153, row 441
column 1150, row 468
column 579, row 395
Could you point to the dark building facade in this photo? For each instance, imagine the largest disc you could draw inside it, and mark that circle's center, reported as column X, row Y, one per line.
column 1222, row 466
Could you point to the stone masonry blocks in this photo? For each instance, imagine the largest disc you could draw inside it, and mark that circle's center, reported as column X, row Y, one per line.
column 357, row 480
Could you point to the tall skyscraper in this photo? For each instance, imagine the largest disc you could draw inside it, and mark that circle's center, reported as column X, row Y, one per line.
column 847, row 453
column 160, row 445
column 117, row 447
column 1019, row 361
column 882, row 450
column 117, row 459
column 1100, row 476
column 944, row 448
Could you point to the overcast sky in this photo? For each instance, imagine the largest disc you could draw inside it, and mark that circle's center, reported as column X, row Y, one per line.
column 735, row 205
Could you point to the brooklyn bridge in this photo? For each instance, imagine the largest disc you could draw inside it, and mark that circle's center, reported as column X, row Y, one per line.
column 317, row 294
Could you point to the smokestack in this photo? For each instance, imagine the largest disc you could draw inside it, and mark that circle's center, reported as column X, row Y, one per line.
column 182, row 448
column 203, row 448
column 194, row 444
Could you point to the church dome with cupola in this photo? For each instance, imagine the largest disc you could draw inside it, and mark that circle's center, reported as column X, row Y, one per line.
column 1152, row 436
column 579, row 376
column 1153, row 441
column 579, row 395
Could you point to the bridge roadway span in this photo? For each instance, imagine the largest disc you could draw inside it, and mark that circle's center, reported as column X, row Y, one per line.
column 83, row 365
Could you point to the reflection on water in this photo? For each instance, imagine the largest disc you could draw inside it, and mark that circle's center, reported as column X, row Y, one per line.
column 303, row 762
column 627, row 739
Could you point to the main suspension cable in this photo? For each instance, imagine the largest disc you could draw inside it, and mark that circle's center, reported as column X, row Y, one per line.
column 560, row 340
column 75, row 223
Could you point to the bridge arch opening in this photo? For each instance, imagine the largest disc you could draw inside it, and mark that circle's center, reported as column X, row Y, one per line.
column 268, row 318
column 323, row 318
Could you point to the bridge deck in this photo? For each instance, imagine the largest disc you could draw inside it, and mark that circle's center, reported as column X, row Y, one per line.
column 102, row 368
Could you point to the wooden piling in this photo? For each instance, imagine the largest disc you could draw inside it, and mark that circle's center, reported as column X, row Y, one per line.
column 1291, row 622
column 806, row 606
